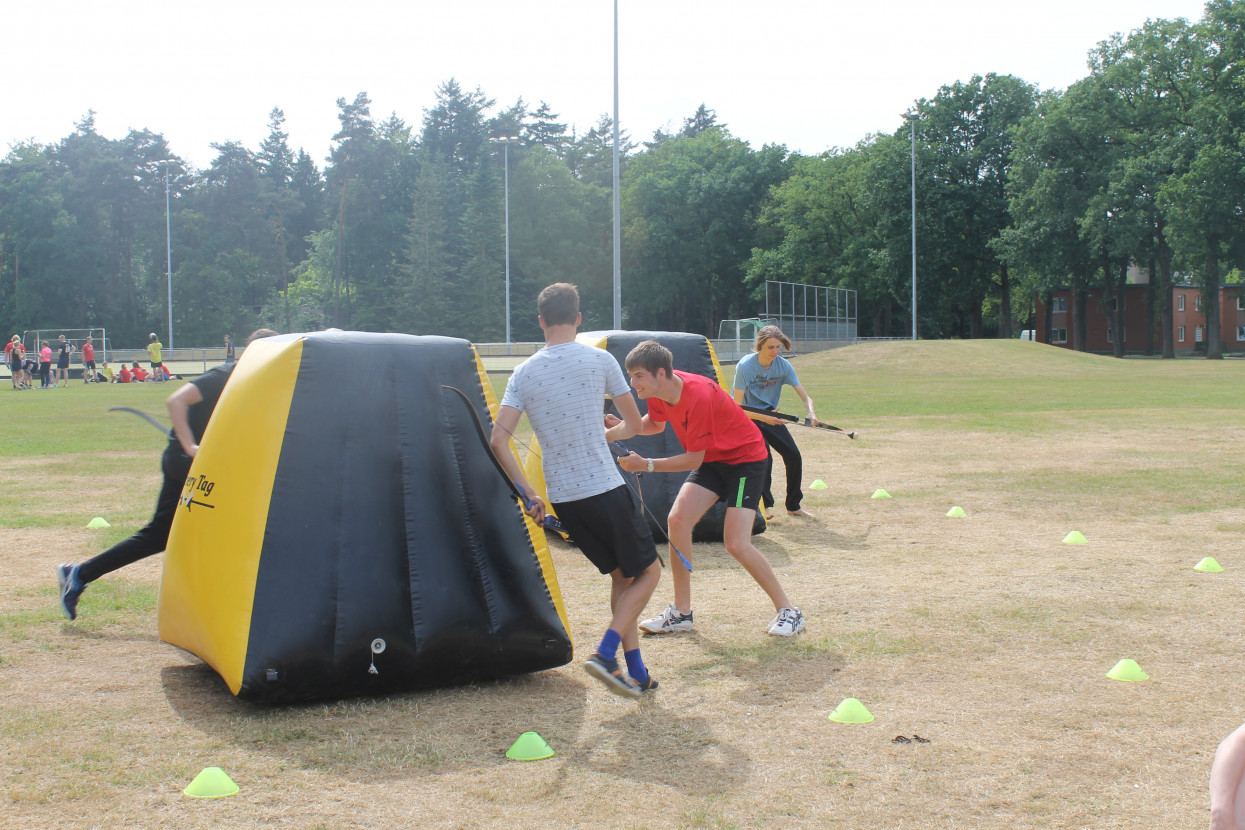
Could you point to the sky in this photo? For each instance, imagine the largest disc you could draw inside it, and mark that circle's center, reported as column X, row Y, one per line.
column 808, row 74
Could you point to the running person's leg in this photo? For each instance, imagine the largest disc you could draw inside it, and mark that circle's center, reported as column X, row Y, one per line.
column 784, row 443
column 780, row 440
column 150, row 540
column 742, row 494
column 737, row 534
column 692, row 502
column 614, row 536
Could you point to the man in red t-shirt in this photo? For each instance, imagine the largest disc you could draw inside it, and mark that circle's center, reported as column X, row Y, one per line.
column 125, row 374
column 88, row 361
column 727, row 457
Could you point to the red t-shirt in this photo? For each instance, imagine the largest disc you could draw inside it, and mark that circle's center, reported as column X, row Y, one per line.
column 88, row 352
column 706, row 418
column 125, row 374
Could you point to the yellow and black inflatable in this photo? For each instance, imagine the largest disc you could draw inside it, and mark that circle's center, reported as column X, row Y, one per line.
column 343, row 530
column 691, row 353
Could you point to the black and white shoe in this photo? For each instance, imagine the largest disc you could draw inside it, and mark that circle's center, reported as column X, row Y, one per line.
column 609, row 673
column 788, row 623
column 668, row 621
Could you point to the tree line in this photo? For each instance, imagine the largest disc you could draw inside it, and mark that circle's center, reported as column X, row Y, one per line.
column 1018, row 191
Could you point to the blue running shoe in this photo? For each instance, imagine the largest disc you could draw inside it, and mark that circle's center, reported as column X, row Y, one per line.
column 71, row 589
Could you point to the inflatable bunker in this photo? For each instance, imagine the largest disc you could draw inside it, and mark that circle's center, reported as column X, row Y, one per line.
column 344, row 531
column 692, row 353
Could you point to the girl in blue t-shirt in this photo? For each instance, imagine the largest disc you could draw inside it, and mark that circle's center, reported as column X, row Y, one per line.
column 758, row 382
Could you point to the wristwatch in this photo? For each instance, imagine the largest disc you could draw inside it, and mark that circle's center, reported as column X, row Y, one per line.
column 650, row 465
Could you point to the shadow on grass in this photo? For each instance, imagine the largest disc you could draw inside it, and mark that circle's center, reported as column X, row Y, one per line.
column 655, row 746
column 109, row 634
column 773, row 671
column 436, row 731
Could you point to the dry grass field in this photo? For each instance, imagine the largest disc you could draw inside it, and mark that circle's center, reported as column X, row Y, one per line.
column 986, row 635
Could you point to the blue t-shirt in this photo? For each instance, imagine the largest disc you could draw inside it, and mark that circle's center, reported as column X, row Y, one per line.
column 763, row 387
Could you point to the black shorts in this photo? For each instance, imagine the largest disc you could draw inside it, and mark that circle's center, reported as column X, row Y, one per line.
column 90, row 364
column 156, row 364
column 62, row 362
column 610, row 531
column 739, row 485
column 15, row 364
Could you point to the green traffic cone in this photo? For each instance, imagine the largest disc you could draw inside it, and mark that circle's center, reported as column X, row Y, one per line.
column 956, row 512
column 880, row 494
column 97, row 523
column 529, row 747
column 850, row 710
column 1074, row 538
column 1208, row 565
column 211, row 783
column 1127, row 670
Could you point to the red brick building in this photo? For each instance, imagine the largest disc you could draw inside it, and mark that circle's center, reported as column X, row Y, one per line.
column 1189, row 329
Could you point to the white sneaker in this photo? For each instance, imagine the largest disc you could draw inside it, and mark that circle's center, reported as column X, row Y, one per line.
column 668, row 621
column 788, row 623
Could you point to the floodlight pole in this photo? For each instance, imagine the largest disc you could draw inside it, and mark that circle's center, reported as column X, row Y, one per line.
column 912, row 117
column 505, row 143
column 617, row 197
column 168, row 239
column 505, row 154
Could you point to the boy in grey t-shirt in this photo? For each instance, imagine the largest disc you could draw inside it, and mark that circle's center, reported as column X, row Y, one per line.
column 561, row 388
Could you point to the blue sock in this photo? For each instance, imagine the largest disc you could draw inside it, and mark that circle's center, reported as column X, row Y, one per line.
column 635, row 666
column 609, row 644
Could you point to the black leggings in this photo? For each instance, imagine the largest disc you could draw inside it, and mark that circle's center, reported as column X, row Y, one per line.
column 153, row 538
column 779, row 438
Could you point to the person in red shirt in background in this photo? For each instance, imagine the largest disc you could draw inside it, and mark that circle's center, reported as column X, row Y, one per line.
column 88, row 361
column 125, row 376
column 727, row 457
column 140, row 374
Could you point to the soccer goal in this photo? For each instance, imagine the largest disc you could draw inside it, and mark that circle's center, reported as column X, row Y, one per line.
column 32, row 341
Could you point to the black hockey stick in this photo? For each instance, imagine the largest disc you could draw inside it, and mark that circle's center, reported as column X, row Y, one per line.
column 550, row 522
column 620, row 450
column 800, row 422
column 142, row 415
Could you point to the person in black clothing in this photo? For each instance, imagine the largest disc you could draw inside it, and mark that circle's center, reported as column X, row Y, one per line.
column 190, row 409
column 63, row 349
